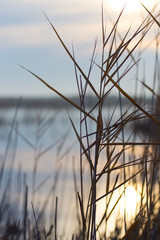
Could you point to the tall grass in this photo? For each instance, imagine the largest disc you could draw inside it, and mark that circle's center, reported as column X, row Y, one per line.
column 109, row 161
column 108, row 140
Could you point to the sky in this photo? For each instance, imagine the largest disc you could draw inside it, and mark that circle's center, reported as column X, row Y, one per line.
column 27, row 39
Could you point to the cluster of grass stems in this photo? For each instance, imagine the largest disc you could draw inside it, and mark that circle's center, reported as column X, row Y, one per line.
column 108, row 159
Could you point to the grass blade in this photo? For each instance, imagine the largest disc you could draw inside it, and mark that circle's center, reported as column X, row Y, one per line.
column 58, row 93
column 66, row 49
column 158, row 23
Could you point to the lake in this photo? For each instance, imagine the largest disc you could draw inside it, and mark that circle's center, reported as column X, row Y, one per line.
column 39, row 149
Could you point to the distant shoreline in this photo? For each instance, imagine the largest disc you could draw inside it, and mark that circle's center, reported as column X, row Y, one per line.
column 55, row 102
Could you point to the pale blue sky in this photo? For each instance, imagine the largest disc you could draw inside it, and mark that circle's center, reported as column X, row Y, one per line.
column 26, row 38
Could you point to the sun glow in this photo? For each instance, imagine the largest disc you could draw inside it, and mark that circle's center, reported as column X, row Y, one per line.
column 132, row 202
column 130, row 5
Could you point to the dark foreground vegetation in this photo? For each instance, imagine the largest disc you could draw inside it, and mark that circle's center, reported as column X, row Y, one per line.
column 108, row 159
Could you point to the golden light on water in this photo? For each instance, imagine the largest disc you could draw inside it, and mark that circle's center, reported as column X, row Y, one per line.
column 130, row 201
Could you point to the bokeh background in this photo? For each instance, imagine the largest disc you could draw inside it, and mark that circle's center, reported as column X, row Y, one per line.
column 26, row 38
